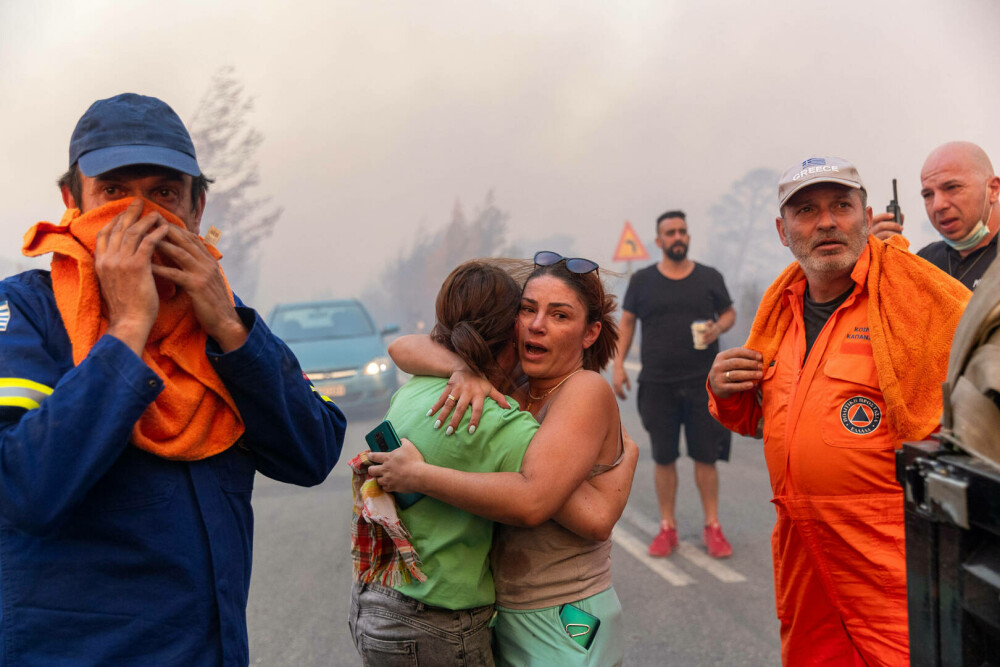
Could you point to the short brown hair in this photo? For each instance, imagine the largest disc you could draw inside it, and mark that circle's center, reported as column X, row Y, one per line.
column 475, row 312
column 600, row 305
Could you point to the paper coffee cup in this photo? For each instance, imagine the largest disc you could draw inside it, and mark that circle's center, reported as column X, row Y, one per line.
column 698, row 330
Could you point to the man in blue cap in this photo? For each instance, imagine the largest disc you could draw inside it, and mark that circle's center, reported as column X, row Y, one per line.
column 138, row 398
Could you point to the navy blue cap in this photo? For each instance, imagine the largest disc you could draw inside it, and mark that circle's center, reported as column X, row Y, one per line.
column 131, row 129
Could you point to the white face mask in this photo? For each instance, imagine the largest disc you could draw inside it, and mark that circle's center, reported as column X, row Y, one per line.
column 979, row 232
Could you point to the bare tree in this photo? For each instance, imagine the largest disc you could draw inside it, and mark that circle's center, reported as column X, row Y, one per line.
column 406, row 288
column 227, row 146
column 746, row 247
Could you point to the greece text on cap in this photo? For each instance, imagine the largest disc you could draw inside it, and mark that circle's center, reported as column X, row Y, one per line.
column 815, row 170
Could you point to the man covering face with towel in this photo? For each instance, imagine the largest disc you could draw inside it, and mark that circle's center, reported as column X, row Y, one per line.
column 844, row 362
column 138, row 398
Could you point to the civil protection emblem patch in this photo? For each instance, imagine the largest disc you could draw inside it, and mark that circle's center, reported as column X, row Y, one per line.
column 860, row 415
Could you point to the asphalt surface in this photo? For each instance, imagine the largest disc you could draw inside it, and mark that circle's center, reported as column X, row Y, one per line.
column 687, row 609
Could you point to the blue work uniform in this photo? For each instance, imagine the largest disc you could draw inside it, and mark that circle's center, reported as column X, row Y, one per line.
column 110, row 555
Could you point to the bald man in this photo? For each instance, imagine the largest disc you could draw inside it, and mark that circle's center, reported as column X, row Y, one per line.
column 960, row 192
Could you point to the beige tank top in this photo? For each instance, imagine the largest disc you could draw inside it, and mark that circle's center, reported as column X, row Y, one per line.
column 548, row 565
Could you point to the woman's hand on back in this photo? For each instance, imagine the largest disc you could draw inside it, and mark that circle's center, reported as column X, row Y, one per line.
column 465, row 389
column 399, row 470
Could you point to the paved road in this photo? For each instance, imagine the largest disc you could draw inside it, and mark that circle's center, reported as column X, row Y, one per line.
column 687, row 609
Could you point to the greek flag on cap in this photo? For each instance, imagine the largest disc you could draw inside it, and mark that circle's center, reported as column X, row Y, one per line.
column 4, row 316
column 814, row 162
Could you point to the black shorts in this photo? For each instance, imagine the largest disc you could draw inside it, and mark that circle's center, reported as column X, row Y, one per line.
column 664, row 406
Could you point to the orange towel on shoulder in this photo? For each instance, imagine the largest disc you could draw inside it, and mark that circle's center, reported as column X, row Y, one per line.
column 194, row 417
column 913, row 310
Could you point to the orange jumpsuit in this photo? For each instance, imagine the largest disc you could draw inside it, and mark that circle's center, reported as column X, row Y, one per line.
column 839, row 542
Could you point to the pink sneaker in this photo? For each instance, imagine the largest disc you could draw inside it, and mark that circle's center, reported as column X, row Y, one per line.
column 718, row 546
column 664, row 542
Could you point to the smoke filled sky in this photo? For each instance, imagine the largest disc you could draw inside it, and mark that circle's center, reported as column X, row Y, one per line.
column 378, row 115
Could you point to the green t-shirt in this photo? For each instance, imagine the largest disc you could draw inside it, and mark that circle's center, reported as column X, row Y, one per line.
column 454, row 545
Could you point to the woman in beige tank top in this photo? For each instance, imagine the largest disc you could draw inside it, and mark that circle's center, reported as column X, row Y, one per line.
column 565, row 335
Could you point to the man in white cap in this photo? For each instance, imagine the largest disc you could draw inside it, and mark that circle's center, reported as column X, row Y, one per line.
column 833, row 381
column 960, row 191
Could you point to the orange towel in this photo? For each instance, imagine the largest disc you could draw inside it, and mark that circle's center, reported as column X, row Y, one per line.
column 194, row 417
column 913, row 310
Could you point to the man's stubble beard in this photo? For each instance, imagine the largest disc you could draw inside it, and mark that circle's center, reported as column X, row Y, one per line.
column 832, row 265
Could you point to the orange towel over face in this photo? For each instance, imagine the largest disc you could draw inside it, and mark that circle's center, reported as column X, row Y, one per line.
column 194, row 417
column 913, row 310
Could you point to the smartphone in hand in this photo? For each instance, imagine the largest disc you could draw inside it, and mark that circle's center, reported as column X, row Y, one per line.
column 383, row 438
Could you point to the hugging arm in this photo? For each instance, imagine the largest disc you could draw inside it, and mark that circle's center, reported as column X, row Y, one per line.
column 417, row 354
column 556, row 463
column 595, row 507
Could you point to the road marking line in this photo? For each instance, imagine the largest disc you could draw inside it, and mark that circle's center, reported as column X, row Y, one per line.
column 641, row 521
column 632, row 544
column 706, row 562
column 687, row 550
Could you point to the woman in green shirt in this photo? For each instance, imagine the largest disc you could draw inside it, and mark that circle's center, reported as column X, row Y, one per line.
column 544, row 569
column 443, row 620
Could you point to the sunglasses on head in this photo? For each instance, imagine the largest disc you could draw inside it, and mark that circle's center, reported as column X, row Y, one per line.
column 573, row 264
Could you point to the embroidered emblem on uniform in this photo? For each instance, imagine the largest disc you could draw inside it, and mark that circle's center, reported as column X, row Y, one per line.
column 4, row 316
column 860, row 415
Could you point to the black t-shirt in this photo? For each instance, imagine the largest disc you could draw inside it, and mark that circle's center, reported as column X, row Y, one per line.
column 817, row 314
column 666, row 309
column 967, row 270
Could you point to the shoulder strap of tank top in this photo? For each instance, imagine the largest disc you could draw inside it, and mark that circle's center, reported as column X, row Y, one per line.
column 604, row 467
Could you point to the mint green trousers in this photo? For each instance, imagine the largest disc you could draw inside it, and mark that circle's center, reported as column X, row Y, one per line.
column 529, row 637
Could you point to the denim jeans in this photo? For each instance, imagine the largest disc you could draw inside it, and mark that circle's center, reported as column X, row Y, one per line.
column 394, row 630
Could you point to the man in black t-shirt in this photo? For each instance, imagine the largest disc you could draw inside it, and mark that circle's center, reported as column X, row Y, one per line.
column 668, row 297
column 960, row 192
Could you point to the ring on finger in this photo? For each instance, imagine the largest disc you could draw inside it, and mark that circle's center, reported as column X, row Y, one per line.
column 727, row 375
column 452, row 398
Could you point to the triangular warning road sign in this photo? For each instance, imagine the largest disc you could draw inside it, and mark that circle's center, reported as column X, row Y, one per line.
column 629, row 246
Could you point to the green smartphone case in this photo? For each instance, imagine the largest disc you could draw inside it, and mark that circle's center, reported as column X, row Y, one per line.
column 579, row 625
column 383, row 438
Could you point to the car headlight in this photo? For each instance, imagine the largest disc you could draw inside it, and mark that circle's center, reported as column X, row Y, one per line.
column 377, row 365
